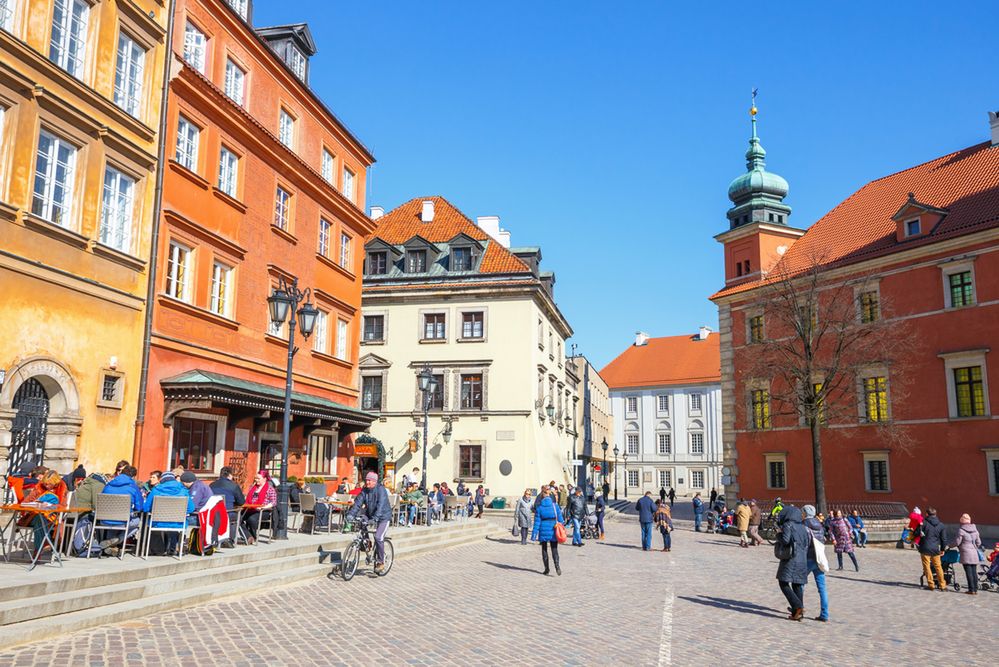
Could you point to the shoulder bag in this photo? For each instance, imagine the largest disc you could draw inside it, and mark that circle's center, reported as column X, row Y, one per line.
column 560, row 535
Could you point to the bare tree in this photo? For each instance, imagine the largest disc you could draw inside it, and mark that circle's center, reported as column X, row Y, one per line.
column 823, row 351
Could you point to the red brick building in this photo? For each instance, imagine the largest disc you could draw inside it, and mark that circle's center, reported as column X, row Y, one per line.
column 262, row 182
column 926, row 239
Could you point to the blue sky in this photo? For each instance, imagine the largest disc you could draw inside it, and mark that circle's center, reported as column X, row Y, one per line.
column 608, row 133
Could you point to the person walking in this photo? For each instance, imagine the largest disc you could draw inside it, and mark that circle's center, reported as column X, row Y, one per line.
column 792, row 550
column 606, row 489
column 698, row 511
column 525, row 506
column 664, row 522
column 714, row 497
column 817, row 563
column 672, row 496
column 932, row 538
column 600, row 506
column 969, row 544
column 563, row 496
column 646, row 515
column 662, row 494
column 547, row 515
column 742, row 516
column 755, row 518
column 577, row 514
column 480, row 501
column 840, row 532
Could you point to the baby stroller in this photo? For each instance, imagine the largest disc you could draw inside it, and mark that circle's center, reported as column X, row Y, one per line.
column 589, row 528
column 947, row 561
column 988, row 576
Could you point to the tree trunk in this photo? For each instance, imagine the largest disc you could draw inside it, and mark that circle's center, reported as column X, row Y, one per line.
column 820, row 482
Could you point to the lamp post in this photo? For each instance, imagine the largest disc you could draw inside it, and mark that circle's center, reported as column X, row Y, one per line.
column 625, row 457
column 550, row 410
column 284, row 299
column 603, row 446
column 428, row 385
column 616, row 451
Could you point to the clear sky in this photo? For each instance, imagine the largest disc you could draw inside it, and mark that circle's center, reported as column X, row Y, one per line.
column 608, row 132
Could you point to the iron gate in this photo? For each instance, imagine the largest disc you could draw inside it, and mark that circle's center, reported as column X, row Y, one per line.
column 31, row 413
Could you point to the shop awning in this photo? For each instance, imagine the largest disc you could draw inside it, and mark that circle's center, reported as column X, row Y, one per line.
column 211, row 389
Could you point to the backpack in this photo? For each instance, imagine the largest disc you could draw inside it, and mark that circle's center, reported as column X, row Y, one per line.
column 194, row 544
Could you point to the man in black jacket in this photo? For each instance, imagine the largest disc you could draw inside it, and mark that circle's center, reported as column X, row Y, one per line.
column 577, row 512
column 933, row 541
column 227, row 488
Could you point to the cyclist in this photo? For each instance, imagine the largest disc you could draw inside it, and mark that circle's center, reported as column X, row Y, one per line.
column 778, row 506
column 373, row 500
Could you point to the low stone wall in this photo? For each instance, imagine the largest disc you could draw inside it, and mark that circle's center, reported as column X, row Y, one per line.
column 878, row 530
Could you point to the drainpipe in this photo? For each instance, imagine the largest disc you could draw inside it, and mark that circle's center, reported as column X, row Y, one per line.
column 140, row 415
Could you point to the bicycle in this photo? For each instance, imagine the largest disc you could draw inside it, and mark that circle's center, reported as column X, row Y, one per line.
column 768, row 529
column 363, row 541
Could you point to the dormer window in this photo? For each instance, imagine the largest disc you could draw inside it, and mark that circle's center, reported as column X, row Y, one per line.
column 912, row 227
column 416, row 261
column 377, row 263
column 296, row 61
column 461, row 259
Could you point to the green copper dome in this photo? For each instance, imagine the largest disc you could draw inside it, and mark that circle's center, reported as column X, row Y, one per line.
column 757, row 181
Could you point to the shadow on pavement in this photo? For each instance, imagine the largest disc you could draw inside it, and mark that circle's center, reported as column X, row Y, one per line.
column 620, row 546
column 505, row 566
column 732, row 605
column 505, row 541
column 879, row 582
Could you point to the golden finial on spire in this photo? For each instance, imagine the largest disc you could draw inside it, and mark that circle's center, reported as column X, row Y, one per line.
column 752, row 108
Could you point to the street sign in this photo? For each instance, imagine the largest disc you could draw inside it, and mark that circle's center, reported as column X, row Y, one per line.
column 726, row 480
column 577, row 462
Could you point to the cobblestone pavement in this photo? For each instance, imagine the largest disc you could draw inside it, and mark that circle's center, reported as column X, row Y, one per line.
column 487, row 604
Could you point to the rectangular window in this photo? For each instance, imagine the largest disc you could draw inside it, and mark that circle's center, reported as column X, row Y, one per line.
column 416, row 261
column 116, row 213
column 346, row 251
column 111, row 390
column 877, row 475
column 876, row 399
column 697, row 479
column 68, row 45
column 665, row 443
column 221, row 301
column 371, row 392
column 296, row 61
column 348, row 184
column 437, row 395
column 461, row 259
column 631, row 440
column 195, row 47
column 776, row 474
column 970, row 391
column 377, row 263
column 326, row 166
column 912, row 227
column 320, row 454
column 631, row 405
column 188, row 135
column 662, row 404
column 961, row 290
column 54, row 173
column 434, row 326
column 239, row 6
column 325, row 229
column 235, row 79
column 470, row 461
column 178, row 272
column 756, row 329
column 128, row 75
column 282, row 208
column 471, row 325
column 341, row 340
column 870, row 308
column 471, row 392
column 995, row 475
column 228, row 171
column 632, row 478
column 321, row 333
column 286, row 129
column 665, row 479
column 7, row 14
column 374, row 327
column 820, row 412
column 695, row 402
column 761, row 409
column 696, row 443
column 194, row 444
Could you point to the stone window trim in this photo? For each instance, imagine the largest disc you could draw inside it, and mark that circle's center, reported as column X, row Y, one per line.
column 220, row 422
column 748, row 315
column 384, row 313
column 870, row 455
column 460, row 324
column 627, row 400
column 482, row 371
column 963, row 359
column 753, row 385
column 421, row 325
column 481, row 444
column 383, row 374
column 866, row 285
column 866, row 374
column 699, row 409
column 668, row 432
column 948, row 269
column 661, row 400
column 991, row 456
column 774, row 457
column 118, row 400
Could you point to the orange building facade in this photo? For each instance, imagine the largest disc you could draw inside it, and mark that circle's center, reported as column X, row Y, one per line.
column 262, row 182
column 926, row 241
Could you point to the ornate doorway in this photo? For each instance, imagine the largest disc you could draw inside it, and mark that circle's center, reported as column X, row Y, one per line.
column 31, row 414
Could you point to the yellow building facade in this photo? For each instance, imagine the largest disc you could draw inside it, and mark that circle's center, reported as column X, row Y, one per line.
column 80, row 104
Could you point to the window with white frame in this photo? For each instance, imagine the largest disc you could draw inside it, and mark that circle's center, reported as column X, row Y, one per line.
column 967, row 384
column 631, row 405
column 631, row 440
column 325, row 229
column 240, row 7
column 296, row 61
column 221, row 299
column 697, row 443
column 7, row 14
column 662, row 404
column 473, row 324
column 235, row 81
column 633, row 478
column 282, row 208
column 55, row 168
column 117, row 210
column 371, row 392
column 195, row 47
column 875, row 398
column 228, row 171
column 326, row 167
column 776, row 471
column 321, row 333
column 959, row 284
column 286, row 129
column 697, row 479
column 68, row 45
column 665, row 479
column 341, row 339
column 178, row 273
column 434, row 326
column 992, row 463
column 346, row 251
column 128, row 75
column 695, row 402
column 188, row 137
column 348, row 184
column 374, row 328
column 665, row 442
column 876, row 473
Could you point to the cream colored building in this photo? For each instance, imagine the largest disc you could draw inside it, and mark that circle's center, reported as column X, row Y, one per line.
column 443, row 292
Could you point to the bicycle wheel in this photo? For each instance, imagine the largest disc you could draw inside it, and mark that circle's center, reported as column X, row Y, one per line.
column 350, row 558
column 389, row 558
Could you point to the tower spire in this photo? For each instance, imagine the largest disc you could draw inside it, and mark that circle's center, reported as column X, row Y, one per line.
column 755, row 156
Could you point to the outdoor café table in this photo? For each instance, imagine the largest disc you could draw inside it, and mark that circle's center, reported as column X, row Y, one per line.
column 239, row 519
column 53, row 515
column 341, row 507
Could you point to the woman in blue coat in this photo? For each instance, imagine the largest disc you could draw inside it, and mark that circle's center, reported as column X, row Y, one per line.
column 546, row 515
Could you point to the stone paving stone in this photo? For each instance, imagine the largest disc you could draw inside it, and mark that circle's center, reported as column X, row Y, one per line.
column 487, row 604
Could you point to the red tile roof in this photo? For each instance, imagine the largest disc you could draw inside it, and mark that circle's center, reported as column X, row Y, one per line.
column 671, row 360
column 403, row 223
column 965, row 182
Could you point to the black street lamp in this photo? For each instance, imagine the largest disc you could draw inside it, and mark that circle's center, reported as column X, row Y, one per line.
column 603, row 446
column 428, row 385
column 625, row 457
column 616, row 452
column 284, row 300
column 550, row 410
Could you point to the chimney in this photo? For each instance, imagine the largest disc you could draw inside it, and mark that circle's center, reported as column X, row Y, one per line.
column 376, row 212
column 994, row 122
column 703, row 332
column 490, row 224
column 641, row 338
column 427, row 215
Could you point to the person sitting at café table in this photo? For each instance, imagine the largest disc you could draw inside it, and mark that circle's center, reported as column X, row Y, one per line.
column 200, row 493
column 73, row 479
column 45, row 491
column 154, row 479
column 169, row 486
column 233, row 496
column 264, row 494
column 124, row 485
column 86, row 494
column 416, row 501
column 297, row 489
